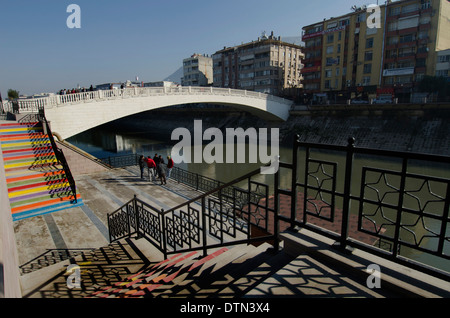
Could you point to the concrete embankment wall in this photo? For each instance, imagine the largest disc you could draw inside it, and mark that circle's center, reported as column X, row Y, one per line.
column 416, row 131
column 79, row 161
column 425, row 131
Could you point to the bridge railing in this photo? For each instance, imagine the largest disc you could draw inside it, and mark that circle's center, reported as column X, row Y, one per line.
column 33, row 105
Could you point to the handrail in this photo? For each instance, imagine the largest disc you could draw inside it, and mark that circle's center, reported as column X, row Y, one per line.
column 33, row 104
column 219, row 188
column 387, row 201
column 186, row 227
column 60, row 157
column 343, row 198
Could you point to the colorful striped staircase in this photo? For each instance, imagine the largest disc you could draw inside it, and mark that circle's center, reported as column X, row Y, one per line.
column 36, row 182
column 226, row 272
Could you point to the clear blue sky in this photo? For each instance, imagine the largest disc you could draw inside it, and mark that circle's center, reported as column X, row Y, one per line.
column 119, row 40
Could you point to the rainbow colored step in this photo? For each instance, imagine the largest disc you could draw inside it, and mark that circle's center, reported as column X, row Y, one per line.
column 177, row 269
column 36, row 182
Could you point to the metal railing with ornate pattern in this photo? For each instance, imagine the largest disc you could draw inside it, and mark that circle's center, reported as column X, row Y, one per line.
column 59, row 156
column 400, row 198
column 392, row 204
column 220, row 217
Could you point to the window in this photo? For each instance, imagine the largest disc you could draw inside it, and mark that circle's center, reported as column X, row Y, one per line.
column 389, row 80
column 424, row 19
column 426, row 4
column 330, row 49
column 407, row 23
column 368, row 56
column 339, row 48
column 328, row 73
column 407, row 38
column 330, row 38
column 404, row 79
column 423, row 35
column 366, row 80
column 367, row 68
column 421, row 62
column 444, row 58
column 327, row 84
column 344, row 22
column 361, row 17
column 392, row 26
column 394, row 11
column 369, row 43
column 419, row 77
column 407, row 51
column 391, row 54
column 410, row 8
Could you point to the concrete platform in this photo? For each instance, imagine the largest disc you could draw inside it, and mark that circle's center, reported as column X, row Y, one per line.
column 84, row 229
column 86, row 226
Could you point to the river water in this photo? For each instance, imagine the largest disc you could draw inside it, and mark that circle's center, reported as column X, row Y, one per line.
column 103, row 142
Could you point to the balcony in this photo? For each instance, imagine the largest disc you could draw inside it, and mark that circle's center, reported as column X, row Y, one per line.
column 408, row 30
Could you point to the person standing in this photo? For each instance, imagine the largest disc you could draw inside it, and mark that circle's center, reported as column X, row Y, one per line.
column 162, row 172
column 151, row 169
column 142, row 165
column 170, row 165
column 156, row 158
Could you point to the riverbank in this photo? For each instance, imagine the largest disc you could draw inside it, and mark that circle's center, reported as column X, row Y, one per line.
column 425, row 132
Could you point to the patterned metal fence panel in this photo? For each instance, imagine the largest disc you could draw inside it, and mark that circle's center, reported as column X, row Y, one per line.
column 388, row 197
column 121, row 223
column 220, row 216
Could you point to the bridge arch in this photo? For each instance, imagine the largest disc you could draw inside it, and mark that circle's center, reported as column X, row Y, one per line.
column 72, row 114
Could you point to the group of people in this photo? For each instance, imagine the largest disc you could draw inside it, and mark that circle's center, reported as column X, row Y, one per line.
column 74, row 91
column 156, row 167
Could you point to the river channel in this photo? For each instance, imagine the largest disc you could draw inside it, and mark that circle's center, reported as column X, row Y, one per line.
column 104, row 141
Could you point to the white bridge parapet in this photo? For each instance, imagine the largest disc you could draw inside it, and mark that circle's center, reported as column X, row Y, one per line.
column 71, row 114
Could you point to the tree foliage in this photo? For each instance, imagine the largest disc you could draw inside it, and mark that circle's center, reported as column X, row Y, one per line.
column 13, row 94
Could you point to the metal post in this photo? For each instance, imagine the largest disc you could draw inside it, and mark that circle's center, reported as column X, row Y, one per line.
column 205, row 251
column 136, row 216
column 294, row 180
column 163, row 228
column 276, row 207
column 396, row 245
column 347, row 192
column 305, row 191
column 443, row 223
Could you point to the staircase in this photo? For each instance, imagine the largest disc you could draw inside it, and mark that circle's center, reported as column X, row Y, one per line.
column 36, row 182
column 131, row 268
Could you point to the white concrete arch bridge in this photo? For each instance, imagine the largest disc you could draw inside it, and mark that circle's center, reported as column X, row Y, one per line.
column 74, row 113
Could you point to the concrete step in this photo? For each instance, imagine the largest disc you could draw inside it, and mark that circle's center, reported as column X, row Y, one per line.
column 211, row 280
column 99, row 268
column 33, row 174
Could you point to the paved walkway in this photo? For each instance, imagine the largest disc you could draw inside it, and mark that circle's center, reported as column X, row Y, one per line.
column 85, row 227
column 48, row 239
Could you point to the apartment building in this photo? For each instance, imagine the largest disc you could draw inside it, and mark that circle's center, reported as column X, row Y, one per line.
column 197, row 71
column 443, row 64
column 351, row 56
column 266, row 65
